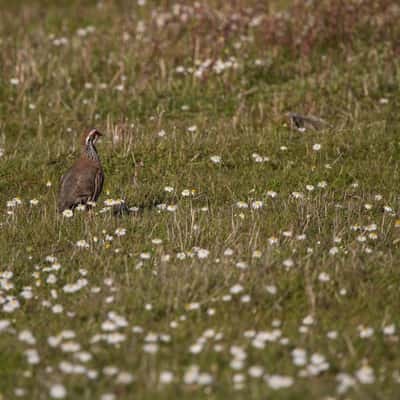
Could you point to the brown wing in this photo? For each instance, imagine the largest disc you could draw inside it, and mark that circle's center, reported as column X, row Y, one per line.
column 80, row 184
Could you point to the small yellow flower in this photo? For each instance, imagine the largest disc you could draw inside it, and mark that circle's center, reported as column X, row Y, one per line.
column 273, row 240
column 257, row 254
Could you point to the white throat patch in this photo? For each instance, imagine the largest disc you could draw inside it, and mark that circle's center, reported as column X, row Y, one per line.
column 90, row 134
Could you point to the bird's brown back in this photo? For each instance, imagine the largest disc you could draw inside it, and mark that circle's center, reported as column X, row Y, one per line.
column 83, row 182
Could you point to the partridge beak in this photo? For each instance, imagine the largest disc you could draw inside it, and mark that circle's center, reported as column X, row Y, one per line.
column 98, row 136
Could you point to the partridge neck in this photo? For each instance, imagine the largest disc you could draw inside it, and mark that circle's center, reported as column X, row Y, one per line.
column 91, row 152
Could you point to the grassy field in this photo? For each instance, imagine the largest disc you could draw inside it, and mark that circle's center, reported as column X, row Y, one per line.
column 259, row 261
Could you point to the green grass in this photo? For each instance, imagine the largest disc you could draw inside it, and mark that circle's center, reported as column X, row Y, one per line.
column 341, row 74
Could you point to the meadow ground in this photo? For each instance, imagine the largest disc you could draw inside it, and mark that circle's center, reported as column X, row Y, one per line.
column 259, row 261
